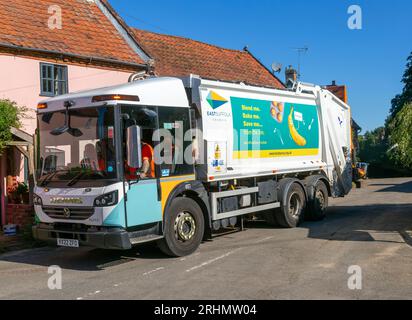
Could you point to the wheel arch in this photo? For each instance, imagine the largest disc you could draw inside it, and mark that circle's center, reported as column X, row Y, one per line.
column 196, row 191
column 285, row 184
column 311, row 181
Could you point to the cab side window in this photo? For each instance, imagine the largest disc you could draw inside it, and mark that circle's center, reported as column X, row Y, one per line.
column 146, row 119
column 174, row 123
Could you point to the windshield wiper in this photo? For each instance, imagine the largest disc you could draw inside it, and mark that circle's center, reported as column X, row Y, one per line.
column 80, row 175
column 75, row 179
column 48, row 178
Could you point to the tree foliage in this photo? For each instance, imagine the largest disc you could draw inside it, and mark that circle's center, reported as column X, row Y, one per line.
column 406, row 96
column 401, row 137
column 389, row 148
column 373, row 146
column 10, row 115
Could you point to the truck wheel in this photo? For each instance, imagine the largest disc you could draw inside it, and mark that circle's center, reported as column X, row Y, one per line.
column 184, row 228
column 290, row 213
column 318, row 204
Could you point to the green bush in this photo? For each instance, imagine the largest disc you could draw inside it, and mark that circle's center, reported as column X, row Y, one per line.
column 373, row 146
column 10, row 115
column 22, row 188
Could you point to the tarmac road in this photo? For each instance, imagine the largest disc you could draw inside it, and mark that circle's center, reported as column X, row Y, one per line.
column 371, row 228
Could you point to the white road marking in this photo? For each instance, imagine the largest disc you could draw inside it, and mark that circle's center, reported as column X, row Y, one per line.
column 265, row 239
column 212, row 260
column 153, row 271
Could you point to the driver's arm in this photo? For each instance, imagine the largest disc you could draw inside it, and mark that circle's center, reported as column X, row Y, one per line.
column 145, row 168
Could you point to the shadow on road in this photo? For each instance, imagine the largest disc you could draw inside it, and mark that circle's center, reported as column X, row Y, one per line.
column 344, row 223
column 362, row 223
column 401, row 187
column 358, row 223
column 83, row 259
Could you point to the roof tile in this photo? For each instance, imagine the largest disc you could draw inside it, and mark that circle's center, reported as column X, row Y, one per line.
column 176, row 56
column 85, row 29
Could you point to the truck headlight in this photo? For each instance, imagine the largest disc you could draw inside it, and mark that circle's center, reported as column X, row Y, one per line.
column 37, row 201
column 107, row 200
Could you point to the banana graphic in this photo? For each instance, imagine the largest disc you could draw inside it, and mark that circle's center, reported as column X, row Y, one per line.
column 299, row 140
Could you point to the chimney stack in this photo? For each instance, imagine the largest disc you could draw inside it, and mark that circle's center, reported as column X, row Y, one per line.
column 291, row 76
column 334, row 83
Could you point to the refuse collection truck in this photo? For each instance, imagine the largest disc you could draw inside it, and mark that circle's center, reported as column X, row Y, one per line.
column 175, row 160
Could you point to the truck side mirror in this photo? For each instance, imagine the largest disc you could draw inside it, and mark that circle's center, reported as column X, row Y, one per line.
column 134, row 147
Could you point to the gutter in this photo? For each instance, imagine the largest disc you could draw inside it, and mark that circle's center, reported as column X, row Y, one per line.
column 75, row 56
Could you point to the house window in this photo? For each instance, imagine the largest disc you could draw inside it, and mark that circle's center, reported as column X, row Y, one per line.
column 53, row 79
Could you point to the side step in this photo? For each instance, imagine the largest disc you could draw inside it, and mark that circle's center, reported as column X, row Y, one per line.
column 145, row 239
column 146, row 235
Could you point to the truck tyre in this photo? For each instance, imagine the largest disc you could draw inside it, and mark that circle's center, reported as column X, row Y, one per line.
column 270, row 217
column 184, row 227
column 318, row 202
column 292, row 207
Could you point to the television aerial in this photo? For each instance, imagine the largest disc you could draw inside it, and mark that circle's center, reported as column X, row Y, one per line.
column 300, row 52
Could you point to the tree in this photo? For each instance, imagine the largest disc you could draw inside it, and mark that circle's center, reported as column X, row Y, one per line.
column 389, row 148
column 406, row 96
column 10, row 115
column 373, row 146
column 401, row 137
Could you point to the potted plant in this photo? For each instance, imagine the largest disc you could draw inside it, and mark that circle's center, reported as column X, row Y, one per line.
column 22, row 191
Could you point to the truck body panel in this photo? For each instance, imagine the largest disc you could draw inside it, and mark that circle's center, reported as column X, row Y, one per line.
column 260, row 131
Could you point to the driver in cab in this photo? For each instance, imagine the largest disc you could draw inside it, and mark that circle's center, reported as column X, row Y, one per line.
column 148, row 166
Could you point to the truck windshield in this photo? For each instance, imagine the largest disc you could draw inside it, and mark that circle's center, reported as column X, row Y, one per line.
column 77, row 147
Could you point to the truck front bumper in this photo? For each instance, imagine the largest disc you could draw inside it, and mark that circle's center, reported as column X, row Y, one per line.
column 114, row 239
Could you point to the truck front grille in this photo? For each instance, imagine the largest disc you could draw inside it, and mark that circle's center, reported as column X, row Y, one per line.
column 75, row 213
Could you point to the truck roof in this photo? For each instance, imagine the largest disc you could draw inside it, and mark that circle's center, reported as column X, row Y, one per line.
column 165, row 91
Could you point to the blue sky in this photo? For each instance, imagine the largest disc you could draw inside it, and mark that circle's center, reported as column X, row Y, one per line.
column 370, row 61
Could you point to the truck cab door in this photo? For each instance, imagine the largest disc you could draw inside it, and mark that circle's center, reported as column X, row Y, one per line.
column 143, row 205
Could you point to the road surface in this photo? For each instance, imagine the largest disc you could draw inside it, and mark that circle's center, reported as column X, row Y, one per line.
column 371, row 229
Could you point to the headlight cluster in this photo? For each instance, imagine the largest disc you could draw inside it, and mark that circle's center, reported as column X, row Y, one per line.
column 37, row 200
column 107, row 200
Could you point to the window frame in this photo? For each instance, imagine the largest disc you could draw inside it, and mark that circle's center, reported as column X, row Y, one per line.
column 65, row 81
column 124, row 109
column 159, row 167
column 189, row 167
column 83, row 183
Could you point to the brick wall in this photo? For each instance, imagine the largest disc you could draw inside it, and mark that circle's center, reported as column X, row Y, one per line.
column 19, row 214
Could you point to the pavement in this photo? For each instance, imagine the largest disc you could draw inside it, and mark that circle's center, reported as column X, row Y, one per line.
column 369, row 233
